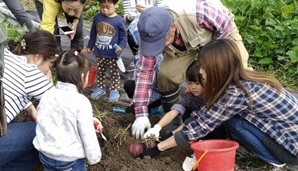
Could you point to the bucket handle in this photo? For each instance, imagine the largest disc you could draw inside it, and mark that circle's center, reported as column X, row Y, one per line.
column 194, row 167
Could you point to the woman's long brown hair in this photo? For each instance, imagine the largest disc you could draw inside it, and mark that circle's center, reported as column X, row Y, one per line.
column 221, row 61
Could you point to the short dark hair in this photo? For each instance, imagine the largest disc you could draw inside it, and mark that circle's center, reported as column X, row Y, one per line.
column 108, row 1
column 60, row 1
column 70, row 66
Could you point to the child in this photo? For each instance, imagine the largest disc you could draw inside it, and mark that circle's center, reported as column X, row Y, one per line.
column 256, row 109
column 108, row 29
column 191, row 101
column 65, row 134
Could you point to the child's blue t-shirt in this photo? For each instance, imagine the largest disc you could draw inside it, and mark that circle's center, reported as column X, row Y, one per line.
column 105, row 32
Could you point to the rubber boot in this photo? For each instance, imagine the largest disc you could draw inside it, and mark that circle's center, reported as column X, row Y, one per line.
column 168, row 99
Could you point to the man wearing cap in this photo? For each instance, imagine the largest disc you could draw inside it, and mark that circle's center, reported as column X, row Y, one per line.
column 178, row 29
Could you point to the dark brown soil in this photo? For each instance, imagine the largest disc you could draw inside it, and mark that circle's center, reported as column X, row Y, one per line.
column 115, row 151
column 117, row 129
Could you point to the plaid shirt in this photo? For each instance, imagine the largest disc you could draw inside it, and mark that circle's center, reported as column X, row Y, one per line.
column 209, row 18
column 273, row 113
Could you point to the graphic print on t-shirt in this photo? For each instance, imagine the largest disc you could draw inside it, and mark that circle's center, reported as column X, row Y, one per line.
column 105, row 33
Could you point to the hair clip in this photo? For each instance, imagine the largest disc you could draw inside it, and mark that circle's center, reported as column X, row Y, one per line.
column 76, row 53
column 23, row 44
column 56, row 55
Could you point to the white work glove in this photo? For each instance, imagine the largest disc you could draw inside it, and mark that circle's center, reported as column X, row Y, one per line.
column 153, row 131
column 139, row 126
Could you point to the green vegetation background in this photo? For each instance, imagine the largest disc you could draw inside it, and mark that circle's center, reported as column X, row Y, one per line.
column 269, row 29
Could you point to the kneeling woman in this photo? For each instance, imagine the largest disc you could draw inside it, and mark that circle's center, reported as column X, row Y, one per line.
column 257, row 110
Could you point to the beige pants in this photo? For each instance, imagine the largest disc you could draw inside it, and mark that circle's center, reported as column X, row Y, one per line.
column 236, row 37
column 172, row 70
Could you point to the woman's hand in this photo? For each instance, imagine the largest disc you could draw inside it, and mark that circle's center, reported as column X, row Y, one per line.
column 73, row 26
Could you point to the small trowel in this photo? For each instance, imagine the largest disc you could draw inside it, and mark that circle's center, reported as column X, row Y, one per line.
column 119, row 60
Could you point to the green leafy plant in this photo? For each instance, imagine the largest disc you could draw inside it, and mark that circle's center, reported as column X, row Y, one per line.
column 269, row 29
column 121, row 135
column 13, row 31
column 99, row 115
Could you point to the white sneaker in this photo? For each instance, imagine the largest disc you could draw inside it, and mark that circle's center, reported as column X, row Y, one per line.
column 277, row 165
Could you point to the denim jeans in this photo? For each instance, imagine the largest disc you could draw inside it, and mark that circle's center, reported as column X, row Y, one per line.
column 55, row 165
column 251, row 137
column 21, row 15
column 78, row 40
column 17, row 152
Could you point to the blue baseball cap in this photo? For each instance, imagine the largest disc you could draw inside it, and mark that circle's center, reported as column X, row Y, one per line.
column 154, row 24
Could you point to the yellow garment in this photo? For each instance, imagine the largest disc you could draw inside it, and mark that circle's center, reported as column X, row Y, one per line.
column 51, row 9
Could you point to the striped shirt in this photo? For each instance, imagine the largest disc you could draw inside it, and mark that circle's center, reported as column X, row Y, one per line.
column 130, row 10
column 275, row 114
column 209, row 18
column 21, row 82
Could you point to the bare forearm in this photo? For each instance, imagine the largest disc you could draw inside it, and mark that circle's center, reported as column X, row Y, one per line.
column 167, row 118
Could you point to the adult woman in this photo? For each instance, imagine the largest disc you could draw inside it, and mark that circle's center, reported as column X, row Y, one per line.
column 48, row 11
column 256, row 109
column 24, row 79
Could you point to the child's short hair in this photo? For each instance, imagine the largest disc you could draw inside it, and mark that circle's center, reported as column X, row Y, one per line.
column 70, row 66
column 193, row 72
column 108, row 1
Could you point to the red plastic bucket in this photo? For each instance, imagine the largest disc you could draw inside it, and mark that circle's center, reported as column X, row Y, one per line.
column 218, row 155
column 92, row 74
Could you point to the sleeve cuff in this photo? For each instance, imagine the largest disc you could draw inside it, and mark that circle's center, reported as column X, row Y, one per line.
column 141, row 111
column 179, row 108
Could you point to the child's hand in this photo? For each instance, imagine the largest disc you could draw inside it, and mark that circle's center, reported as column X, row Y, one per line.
column 32, row 112
column 97, row 125
column 89, row 50
column 118, row 51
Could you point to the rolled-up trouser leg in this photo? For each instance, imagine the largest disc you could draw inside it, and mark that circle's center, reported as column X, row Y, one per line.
column 170, row 76
column 168, row 99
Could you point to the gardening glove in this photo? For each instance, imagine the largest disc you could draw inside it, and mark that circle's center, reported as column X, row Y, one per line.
column 153, row 131
column 152, row 152
column 139, row 126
